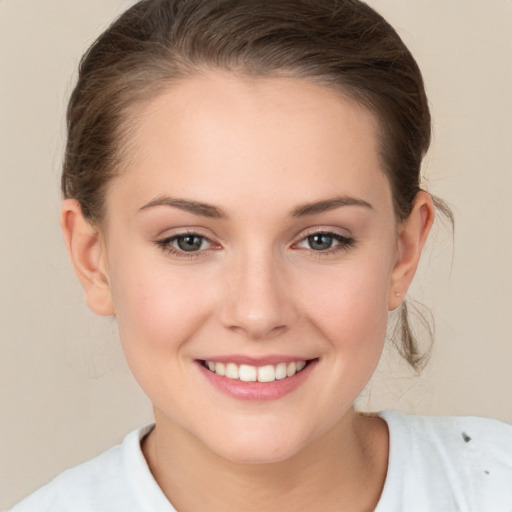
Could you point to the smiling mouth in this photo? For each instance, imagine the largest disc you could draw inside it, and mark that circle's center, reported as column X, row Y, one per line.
column 248, row 373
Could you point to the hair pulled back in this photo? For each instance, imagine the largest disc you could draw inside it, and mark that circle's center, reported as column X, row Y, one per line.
column 342, row 44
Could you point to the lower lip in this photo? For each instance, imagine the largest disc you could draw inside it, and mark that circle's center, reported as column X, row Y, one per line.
column 258, row 391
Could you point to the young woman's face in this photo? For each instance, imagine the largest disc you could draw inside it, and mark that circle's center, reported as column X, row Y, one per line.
column 252, row 228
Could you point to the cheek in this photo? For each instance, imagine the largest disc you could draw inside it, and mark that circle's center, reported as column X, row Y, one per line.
column 157, row 311
column 349, row 304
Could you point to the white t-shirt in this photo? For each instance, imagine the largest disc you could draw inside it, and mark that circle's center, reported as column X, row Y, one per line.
column 435, row 464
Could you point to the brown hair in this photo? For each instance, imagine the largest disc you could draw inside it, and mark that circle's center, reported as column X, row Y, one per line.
column 343, row 44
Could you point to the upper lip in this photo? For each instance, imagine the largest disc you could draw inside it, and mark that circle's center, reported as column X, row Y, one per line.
column 272, row 359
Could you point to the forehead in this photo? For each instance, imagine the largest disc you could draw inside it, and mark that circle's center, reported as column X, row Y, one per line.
column 272, row 138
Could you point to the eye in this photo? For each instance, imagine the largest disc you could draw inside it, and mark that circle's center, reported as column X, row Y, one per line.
column 325, row 241
column 185, row 244
column 320, row 241
column 190, row 243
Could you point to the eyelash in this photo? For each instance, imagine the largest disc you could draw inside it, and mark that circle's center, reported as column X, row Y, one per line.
column 344, row 244
column 166, row 245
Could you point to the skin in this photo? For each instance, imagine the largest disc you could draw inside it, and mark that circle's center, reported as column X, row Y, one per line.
column 256, row 150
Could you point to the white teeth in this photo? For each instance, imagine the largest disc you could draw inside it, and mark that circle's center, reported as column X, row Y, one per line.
column 266, row 373
column 232, row 371
column 220, row 369
column 281, row 371
column 248, row 373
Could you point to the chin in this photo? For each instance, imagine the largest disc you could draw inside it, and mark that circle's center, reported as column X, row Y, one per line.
column 258, row 447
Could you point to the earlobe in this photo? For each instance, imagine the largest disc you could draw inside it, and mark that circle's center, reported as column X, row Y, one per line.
column 412, row 235
column 87, row 252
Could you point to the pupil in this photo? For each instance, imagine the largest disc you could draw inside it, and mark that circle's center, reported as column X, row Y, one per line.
column 320, row 242
column 189, row 243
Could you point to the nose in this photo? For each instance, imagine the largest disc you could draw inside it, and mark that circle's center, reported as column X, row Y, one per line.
column 257, row 300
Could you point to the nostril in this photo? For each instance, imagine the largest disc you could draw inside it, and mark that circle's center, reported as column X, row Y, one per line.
column 257, row 302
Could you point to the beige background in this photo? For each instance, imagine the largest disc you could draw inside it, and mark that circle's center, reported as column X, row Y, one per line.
column 65, row 392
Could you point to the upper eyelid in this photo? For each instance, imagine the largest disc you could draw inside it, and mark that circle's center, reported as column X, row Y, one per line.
column 327, row 231
column 340, row 239
column 177, row 231
column 184, row 233
column 172, row 238
column 172, row 234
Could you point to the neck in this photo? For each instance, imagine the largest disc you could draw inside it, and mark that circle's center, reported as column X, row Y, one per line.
column 344, row 469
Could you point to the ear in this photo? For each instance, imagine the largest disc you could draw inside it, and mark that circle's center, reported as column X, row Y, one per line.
column 86, row 249
column 412, row 234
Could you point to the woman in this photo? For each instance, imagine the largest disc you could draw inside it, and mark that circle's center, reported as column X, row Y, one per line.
column 242, row 192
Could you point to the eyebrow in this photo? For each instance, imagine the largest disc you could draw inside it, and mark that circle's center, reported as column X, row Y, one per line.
column 195, row 207
column 328, row 204
column 303, row 210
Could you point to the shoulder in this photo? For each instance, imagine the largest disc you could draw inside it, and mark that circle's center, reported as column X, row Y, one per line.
column 74, row 487
column 466, row 460
column 103, row 483
column 452, row 432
